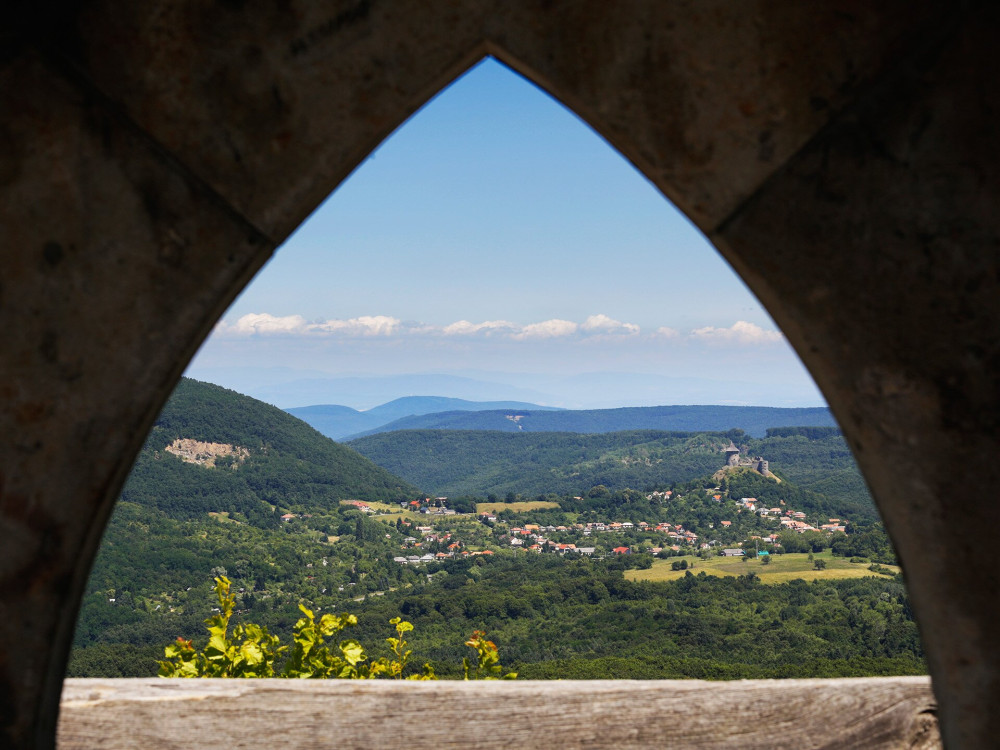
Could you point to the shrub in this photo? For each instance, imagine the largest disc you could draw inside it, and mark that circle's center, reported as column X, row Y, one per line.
column 252, row 651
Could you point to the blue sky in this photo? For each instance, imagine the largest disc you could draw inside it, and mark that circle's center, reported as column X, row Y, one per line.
column 496, row 236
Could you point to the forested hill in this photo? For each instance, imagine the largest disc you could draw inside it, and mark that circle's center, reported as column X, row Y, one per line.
column 215, row 450
column 754, row 420
column 456, row 462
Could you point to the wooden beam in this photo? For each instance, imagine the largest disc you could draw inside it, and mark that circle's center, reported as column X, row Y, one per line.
column 887, row 712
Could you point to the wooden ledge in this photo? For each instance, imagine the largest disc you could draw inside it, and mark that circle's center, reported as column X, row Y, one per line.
column 885, row 712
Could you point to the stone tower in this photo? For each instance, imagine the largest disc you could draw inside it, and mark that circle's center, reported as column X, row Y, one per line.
column 732, row 455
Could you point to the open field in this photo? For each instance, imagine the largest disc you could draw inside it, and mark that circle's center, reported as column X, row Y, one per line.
column 394, row 515
column 516, row 507
column 782, row 568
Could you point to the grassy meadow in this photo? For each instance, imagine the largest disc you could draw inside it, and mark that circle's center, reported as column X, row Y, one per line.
column 781, row 569
column 519, row 507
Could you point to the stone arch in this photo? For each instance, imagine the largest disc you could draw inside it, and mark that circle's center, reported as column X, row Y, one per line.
column 842, row 158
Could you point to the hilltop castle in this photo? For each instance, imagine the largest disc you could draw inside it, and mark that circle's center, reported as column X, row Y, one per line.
column 734, row 460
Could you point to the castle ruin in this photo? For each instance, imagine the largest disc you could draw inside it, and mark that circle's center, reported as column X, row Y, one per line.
column 734, row 460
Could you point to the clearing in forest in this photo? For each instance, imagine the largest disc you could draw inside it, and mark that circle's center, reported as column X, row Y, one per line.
column 781, row 569
column 518, row 507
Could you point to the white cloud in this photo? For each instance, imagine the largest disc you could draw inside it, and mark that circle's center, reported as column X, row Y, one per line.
column 740, row 332
column 547, row 329
column 366, row 325
column 263, row 323
column 604, row 324
column 593, row 327
column 465, row 328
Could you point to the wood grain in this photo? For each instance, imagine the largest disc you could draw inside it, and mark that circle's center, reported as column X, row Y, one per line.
column 891, row 712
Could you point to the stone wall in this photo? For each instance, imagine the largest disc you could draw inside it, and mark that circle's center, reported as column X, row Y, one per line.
column 842, row 156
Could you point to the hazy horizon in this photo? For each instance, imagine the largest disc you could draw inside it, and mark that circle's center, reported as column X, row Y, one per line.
column 287, row 388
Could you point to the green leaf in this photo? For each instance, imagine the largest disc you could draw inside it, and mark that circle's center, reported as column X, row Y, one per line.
column 353, row 652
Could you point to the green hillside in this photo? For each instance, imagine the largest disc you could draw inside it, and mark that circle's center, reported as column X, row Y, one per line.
column 177, row 524
column 819, row 460
column 277, row 461
column 457, row 462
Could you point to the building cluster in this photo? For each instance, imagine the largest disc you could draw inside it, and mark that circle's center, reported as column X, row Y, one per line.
column 662, row 496
column 292, row 516
column 552, row 539
column 534, row 536
column 428, row 536
column 436, row 506
column 791, row 520
column 540, row 544
column 435, row 557
column 361, row 505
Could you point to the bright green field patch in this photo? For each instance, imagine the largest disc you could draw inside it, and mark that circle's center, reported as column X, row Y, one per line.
column 520, row 507
column 392, row 517
column 781, row 569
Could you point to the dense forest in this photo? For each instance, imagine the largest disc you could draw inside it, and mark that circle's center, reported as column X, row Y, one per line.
column 581, row 620
column 454, row 462
column 577, row 619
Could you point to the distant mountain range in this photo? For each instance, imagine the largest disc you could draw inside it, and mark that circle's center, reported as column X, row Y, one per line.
column 754, row 420
column 288, row 387
column 341, row 421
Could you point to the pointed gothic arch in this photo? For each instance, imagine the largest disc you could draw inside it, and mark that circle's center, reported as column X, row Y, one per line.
column 842, row 157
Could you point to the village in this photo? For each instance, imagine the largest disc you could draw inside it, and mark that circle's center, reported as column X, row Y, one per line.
column 442, row 533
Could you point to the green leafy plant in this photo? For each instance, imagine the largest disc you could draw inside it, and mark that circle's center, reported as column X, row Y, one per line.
column 311, row 657
column 394, row 667
column 252, row 651
column 182, row 660
column 487, row 666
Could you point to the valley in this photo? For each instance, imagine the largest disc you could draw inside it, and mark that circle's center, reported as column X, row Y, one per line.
column 578, row 578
